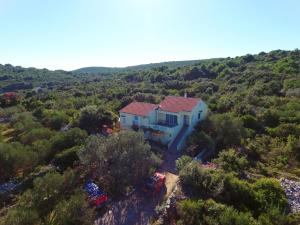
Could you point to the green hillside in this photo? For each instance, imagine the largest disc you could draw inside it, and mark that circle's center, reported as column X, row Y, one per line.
column 48, row 141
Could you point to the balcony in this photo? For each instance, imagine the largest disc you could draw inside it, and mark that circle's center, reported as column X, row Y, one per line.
column 166, row 124
column 166, row 128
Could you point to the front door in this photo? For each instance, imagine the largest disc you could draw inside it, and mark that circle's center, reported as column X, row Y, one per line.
column 186, row 120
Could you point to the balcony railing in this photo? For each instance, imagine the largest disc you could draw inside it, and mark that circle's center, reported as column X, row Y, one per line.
column 166, row 124
column 163, row 128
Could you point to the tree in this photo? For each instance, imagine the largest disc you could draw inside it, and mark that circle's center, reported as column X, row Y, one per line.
column 119, row 160
column 92, row 118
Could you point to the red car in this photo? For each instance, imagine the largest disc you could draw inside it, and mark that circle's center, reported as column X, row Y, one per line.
column 155, row 183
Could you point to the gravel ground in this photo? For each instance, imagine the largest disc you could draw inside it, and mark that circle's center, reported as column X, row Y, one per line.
column 292, row 191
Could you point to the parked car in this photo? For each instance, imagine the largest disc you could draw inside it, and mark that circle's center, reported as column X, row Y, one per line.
column 155, row 183
column 97, row 197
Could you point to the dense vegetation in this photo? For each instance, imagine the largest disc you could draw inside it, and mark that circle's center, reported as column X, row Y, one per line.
column 54, row 118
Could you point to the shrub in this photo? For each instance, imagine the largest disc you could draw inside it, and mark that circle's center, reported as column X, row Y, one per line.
column 232, row 161
column 284, row 130
column 251, row 122
column 205, row 183
column 21, row 216
column 67, row 157
column 270, row 195
column 68, row 139
column 74, row 211
column 201, row 212
column 228, row 130
column 182, row 162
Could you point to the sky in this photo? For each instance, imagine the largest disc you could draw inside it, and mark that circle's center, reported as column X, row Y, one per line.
column 70, row 34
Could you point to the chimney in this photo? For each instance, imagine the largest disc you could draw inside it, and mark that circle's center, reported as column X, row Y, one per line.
column 185, row 94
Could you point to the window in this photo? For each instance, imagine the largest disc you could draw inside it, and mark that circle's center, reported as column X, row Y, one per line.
column 199, row 115
column 171, row 119
column 123, row 119
column 135, row 120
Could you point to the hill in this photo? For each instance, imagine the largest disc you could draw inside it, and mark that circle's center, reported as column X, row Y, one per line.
column 111, row 70
column 252, row 137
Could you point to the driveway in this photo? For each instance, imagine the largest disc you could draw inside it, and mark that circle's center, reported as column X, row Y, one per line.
column 139, row 209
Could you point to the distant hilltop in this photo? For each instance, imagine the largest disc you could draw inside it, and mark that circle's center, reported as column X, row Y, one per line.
column 111, row 70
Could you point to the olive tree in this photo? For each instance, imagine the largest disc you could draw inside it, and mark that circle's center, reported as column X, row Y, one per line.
column 118, row 161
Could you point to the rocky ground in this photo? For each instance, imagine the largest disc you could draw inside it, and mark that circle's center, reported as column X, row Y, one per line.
column 292, row 191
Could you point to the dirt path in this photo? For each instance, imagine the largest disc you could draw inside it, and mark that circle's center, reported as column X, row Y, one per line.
column 171, row 180
column 138, row 209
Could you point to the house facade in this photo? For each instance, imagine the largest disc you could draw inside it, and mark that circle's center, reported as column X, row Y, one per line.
column 169, row 122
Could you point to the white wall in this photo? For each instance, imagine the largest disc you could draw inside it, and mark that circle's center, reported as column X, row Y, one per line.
column 142, row 120
column 201, row 106
column 126, row 120
column 171, row 133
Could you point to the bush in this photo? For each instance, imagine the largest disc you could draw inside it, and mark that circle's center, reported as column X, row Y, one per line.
column 270, row 118
column 232, row 161
column 35, row 134
column 53, row 191
column 270, row 195
column 239, row 194
column 227, row 130
column 57, row 120
column 251, row 122
column 182, row 162
column 284, row 130
column 68, row 139
column 293, row 146
column 15, row 157
column 210, row 213
column 275, row 217
column 74, row 211
column 67, row 157
column 198, row 141
column 205, row 183
column 21, row 216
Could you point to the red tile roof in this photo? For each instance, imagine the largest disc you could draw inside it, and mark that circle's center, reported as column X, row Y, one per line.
column 139, row 108
column 178, row 104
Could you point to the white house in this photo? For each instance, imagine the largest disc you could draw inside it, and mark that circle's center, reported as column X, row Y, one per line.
column 169, row 122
